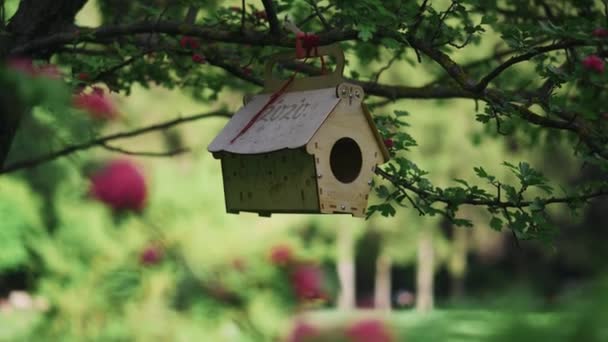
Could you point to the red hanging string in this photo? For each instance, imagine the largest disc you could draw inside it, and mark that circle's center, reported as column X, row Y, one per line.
column 305, row 43
column 273, row 98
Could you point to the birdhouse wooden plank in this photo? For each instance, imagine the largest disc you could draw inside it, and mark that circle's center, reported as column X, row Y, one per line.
column 313, row 150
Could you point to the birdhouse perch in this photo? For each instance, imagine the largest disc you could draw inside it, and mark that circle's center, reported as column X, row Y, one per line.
column 313, row 150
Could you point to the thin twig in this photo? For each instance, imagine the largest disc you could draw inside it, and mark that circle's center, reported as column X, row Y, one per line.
column 316, row 10
column 170, row 153
column 243, row 13
column 2, row 15
column 442, row 18
column 117, row 67
column 314, row 15
column 522, row 58
column 419, row 18
column 191, row 15
column 386, row 67
column 29, row 163
column 273, row 20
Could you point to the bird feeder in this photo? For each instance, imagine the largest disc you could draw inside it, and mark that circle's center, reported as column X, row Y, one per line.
column 313, row 150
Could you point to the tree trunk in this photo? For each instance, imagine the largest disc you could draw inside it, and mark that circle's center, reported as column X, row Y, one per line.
column 458, row 262
column 425, row 272
column 346, row 268
column 33, row 19
column 10, row 114
column 382, row 289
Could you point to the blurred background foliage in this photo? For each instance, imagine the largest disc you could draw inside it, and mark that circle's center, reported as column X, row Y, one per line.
column 72, row 269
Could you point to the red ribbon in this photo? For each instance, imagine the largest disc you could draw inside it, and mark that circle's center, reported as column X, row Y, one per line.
column 305, row 43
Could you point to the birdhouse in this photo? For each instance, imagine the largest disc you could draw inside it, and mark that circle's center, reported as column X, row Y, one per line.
column 313, row 149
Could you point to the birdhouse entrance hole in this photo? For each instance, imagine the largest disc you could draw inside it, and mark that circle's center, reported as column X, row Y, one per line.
column 346, row 160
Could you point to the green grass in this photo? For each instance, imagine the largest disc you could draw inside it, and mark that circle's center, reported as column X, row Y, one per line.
column 442, row 325
column 15, row 325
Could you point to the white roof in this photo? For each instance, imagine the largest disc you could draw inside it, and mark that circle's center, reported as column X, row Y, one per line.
column 290, row 122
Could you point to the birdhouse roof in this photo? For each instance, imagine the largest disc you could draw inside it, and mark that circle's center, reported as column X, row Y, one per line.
column 290, row 122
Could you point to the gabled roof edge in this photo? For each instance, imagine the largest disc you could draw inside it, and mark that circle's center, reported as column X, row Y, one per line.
column 377, row 135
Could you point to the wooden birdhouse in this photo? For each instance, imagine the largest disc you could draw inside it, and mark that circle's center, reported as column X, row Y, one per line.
column 313, row 150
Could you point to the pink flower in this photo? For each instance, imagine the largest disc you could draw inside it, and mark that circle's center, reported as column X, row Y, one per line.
column 151, row 255
column 247, row 71
column 594, row 63
column 83, row 76
column 239, row 264
column 23, row 65
column 97, row 104
column 281, row 254
column 389, row 143
column 120, row 185
column 189, row 43
column 369, row 331
column 307, row 282
column 600, row 33
column 303, row 332
column 196, row 58
column 26, row 66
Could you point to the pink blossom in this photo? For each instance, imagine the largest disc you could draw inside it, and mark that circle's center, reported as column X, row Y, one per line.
column 247, row 71
column 197, row 58
column 189, row 43
column 389, row 143
column 369, row 331
column 239, row 264
column 151, row 255
column 307, row 282
column 600, row 32
column 120, row 185
column 27, row 66
column 83, row 76
column 303, row 332
column 97, row 104
column 281, row 254
column 23, row 65
column 595, row 63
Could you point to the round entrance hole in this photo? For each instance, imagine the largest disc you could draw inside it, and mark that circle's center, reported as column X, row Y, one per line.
column 345, row 160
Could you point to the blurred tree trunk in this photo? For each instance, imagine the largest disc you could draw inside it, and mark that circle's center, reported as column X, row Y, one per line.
column 346, row 268
column 458, row 262
column 10, row 114
column 382, row 288
column 425, row 272
column 33, row 19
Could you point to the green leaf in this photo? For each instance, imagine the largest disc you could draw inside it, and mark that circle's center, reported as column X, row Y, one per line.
column 496, row 223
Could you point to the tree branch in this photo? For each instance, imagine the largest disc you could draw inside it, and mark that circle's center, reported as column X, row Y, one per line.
column 102, row 141
column 170, row 153
column 524, row 57
column 319, row 14
column 273, row 20
column 494, row 203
